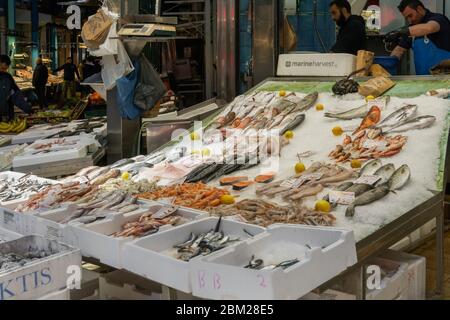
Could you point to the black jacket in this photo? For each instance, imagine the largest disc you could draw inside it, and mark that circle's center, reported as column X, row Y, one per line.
column 11, row 95
column 351, row 36
column 40, row 75
column 70, row 70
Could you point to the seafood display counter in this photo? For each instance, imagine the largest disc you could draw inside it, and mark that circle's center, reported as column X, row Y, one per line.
column 286, row 189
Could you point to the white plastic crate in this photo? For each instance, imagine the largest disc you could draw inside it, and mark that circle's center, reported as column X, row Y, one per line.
column 48, row 274
column 95, row 239
column 415, row 274
column 394, row 286
column 323, row 253
column 151, row 257
column 7, row 235
column 122, row 285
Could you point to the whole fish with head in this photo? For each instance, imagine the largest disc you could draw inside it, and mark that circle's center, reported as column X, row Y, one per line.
column 414, row 124
column 367, row 198
column 355, row 113
column 291, row 122
column 121, row 163
column 359, row 188
column 370, row 168
column 385, row 173
column 401, row 115
column 303, row 104
column 400, row 178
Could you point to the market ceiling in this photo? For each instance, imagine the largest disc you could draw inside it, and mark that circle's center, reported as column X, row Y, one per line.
column 53, row 7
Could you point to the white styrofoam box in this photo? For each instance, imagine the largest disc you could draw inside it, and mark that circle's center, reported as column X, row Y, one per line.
column 416, row 273
column 427, row 228
column 151, row 257
column 7, row 235
column 317, row 64
column 123, row 285
column 13, row 204
column 36, row 133
column 40, row 277
column 95, row 239
column 83, row 144
column 323, row 253
column 7, row 154
column 57, row 295
column 402, row 244
column 329, row 295
column 394, row 285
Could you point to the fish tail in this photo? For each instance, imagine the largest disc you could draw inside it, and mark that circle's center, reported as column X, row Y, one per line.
column 350, row 212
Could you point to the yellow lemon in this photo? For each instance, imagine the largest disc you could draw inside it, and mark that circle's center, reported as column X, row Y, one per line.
column 227, row 199
column 338, row 131
column 289, row 134
column 323, row 206
column 206, row 152
column 195, row 136
column 282, row 93
column 299, row 168
column 356, row 164
column 126, row 176
column 369, row 98
column 320, row 107
column 195, row 152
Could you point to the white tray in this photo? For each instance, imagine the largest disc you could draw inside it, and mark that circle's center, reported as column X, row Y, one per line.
column 50, row 273
column 323, row 252
column 7, row 235
column 147, row 256
column 95, row 241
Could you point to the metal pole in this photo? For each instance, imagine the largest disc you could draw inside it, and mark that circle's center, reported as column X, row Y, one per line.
column 11, row 26
column 440, row 253
column 34, row 32
column 208, row 51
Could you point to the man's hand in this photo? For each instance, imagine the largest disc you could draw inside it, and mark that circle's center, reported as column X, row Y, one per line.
column 394, row 36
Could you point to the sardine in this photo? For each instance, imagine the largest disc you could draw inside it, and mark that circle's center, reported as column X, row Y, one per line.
column 401, row 115
column 367, row 198
column 355, row 113
column 370, row 168
column 413, row 124
column 385, row 173
column 400, row 178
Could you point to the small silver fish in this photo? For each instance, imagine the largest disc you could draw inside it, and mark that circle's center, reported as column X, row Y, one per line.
column 413, row 124
column 355, row 113
column 401, row 115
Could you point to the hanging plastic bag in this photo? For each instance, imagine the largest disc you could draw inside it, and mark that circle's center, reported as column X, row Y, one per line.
column 96, row 29
column 150, row 88
column 116, row 66
column 109, row 47
column 125, row 95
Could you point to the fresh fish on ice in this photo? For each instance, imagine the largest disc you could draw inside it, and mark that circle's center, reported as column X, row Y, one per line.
column 367, row 198
column 385, row 173
column 400, row 178
column 401, row 115
column 413, row 124
column 370, row 168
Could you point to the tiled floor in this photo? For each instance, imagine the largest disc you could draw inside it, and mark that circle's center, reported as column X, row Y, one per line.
column 428, row 251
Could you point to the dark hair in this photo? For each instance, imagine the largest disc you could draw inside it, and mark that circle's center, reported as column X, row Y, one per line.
column 414, row 4
column 342, row 4
column 5, row 59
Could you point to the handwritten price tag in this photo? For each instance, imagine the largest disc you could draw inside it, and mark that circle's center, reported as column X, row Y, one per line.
column 342, row 197
column 371, row 180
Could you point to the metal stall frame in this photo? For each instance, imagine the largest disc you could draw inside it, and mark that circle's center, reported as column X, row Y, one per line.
column 387, row 236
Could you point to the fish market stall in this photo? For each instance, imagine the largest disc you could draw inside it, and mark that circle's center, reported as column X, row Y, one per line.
column 280, row 183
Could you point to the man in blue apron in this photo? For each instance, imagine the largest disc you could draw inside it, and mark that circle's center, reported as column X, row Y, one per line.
column 428, row 35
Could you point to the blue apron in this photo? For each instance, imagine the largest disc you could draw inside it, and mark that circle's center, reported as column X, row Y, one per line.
column 427, row 55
